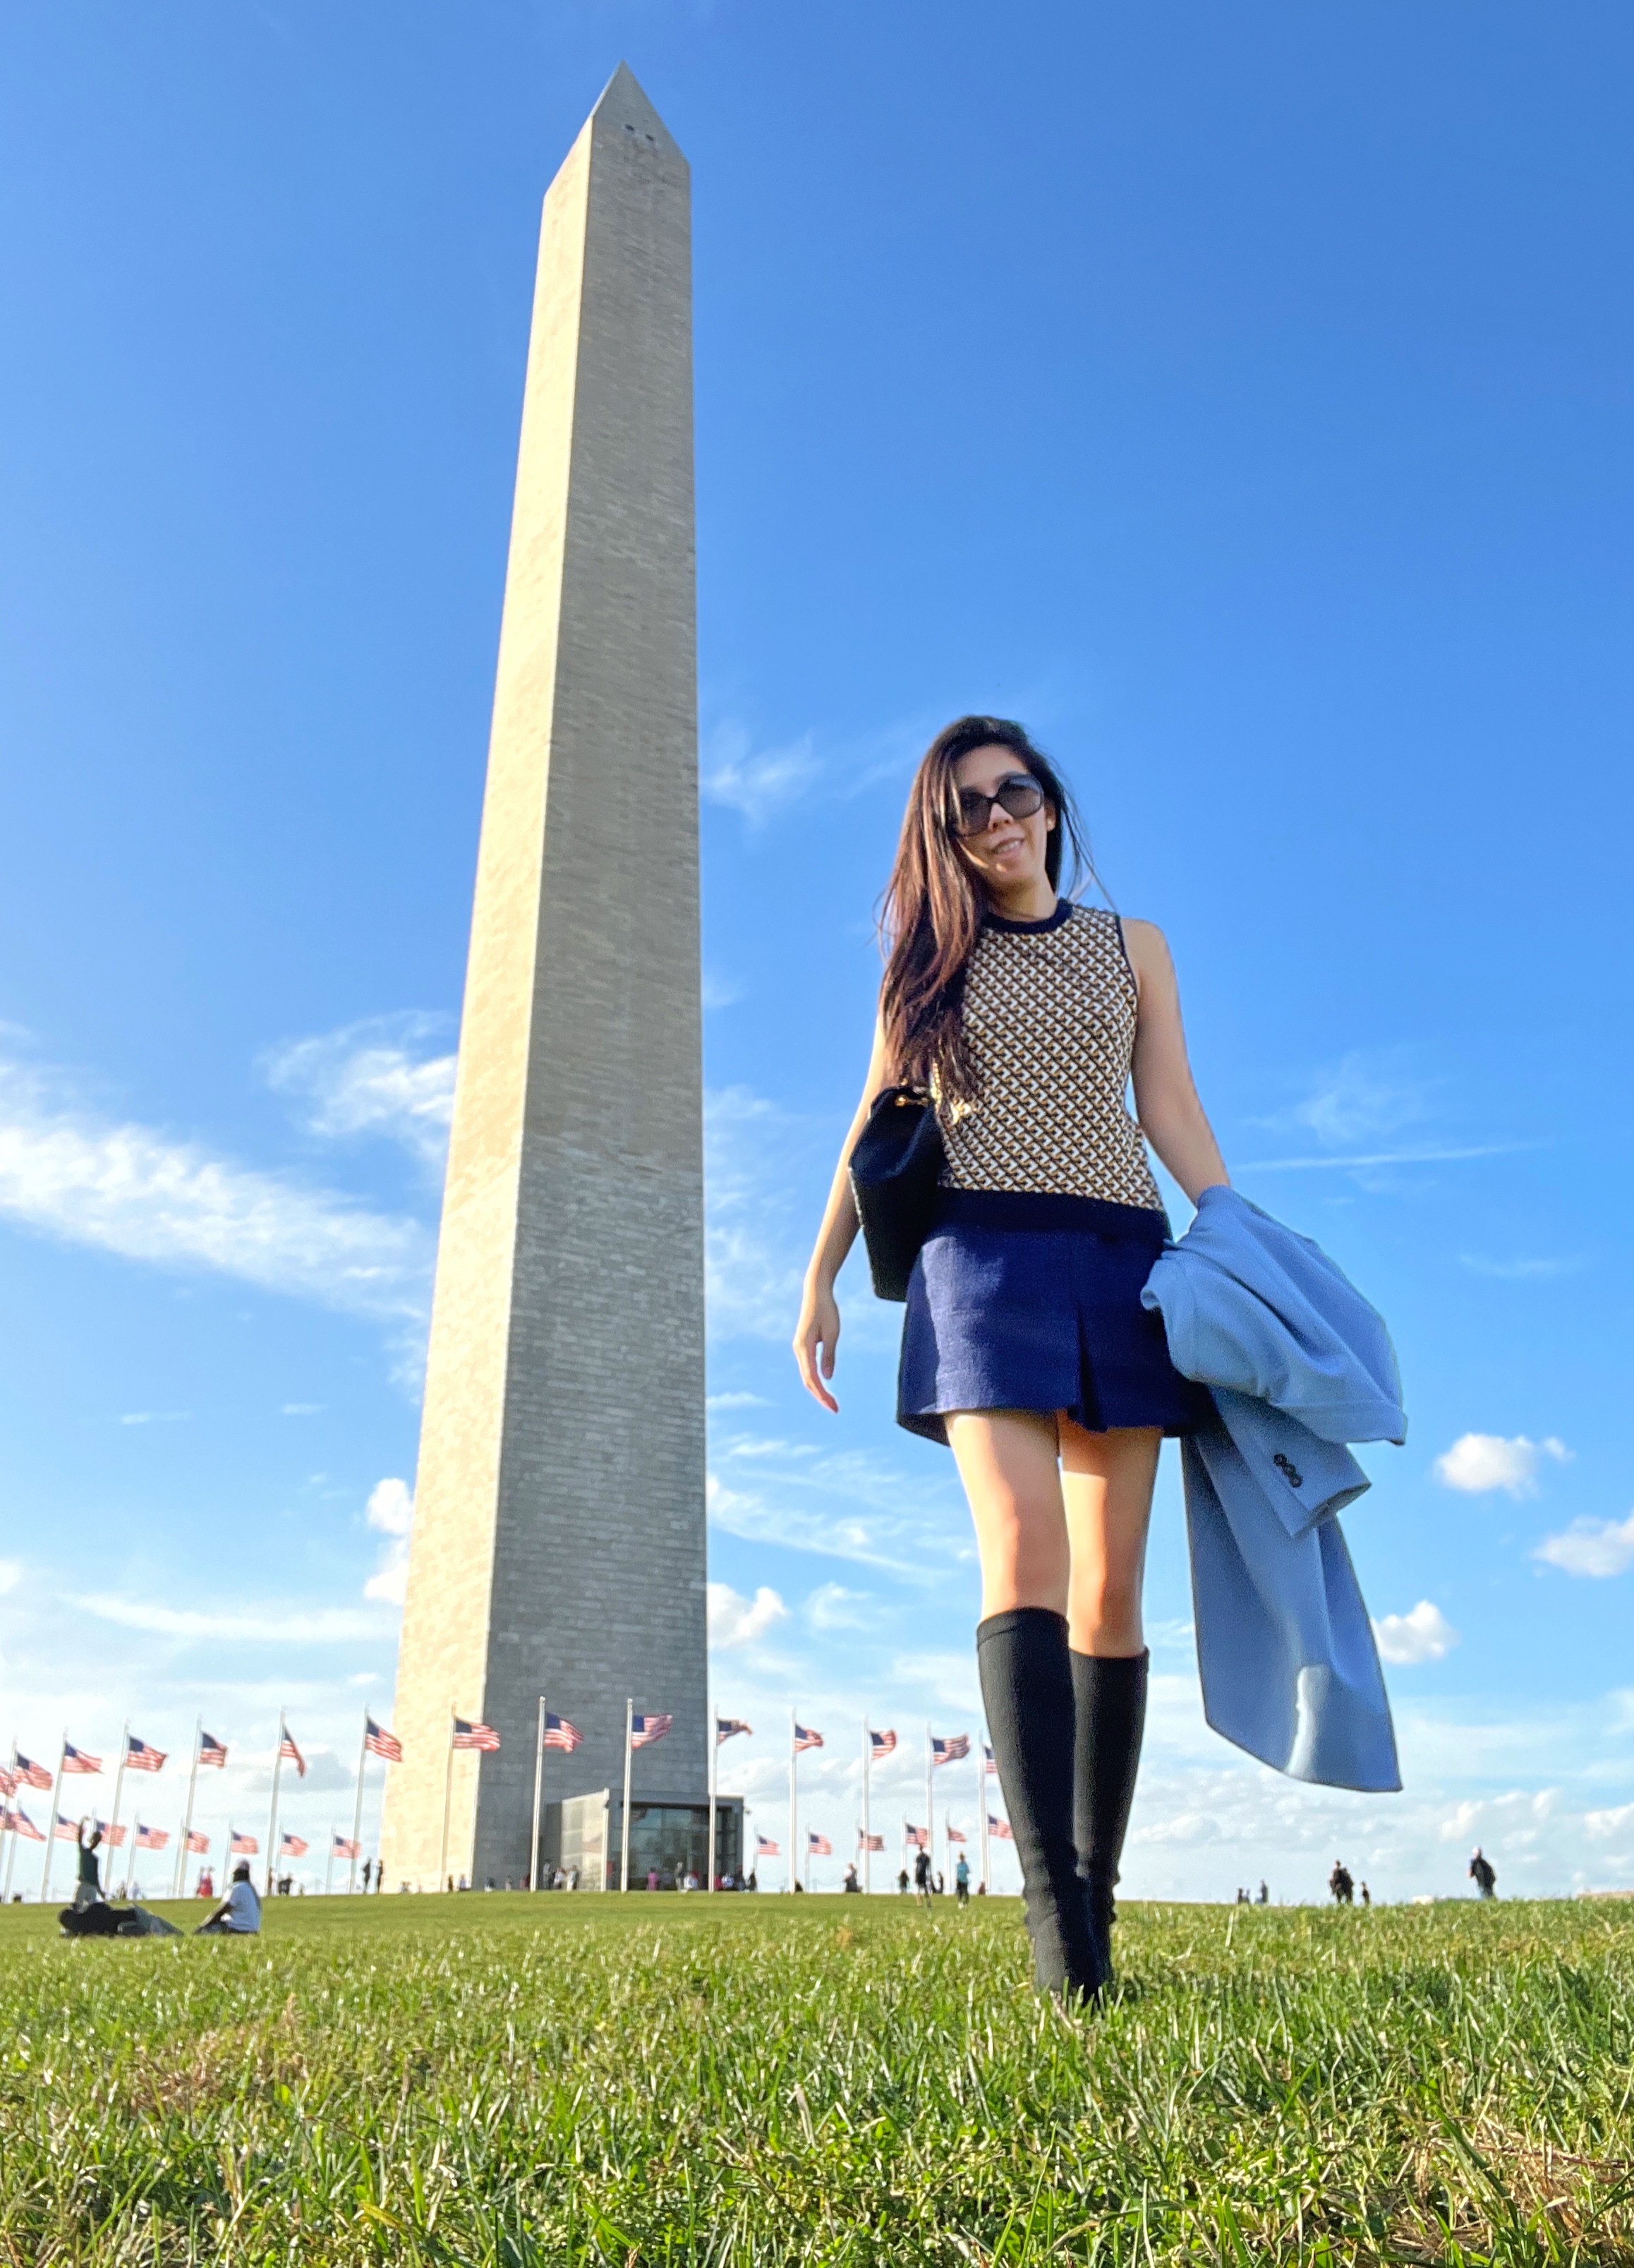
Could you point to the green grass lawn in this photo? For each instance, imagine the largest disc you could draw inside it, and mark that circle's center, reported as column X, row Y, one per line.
column 496, row 2080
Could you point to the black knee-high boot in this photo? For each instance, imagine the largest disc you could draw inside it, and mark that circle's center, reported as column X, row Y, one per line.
column 1111, row 1695
column 1027, row 1688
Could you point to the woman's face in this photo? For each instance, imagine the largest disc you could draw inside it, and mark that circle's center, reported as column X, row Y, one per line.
column 1007, row 855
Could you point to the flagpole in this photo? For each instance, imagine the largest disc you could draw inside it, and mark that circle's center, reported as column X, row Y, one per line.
column 329, row 1874
column 714, row 1765
column 794, row 1840
column 119, row 1791
column 623, row 1861
column 867, row 1815
column 14, row 1804
column 272, row 1821
column 448, row 1784
column 57, row 1797
column 363, row 1758
column 981, row 1790
column 539, row 1786
column 187, row 1824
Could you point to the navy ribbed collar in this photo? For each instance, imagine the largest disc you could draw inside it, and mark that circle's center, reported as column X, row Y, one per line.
column 1064, row 911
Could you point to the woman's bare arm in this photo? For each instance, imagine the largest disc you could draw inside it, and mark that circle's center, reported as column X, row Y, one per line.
column 1166, row 1101
column 817, row 1334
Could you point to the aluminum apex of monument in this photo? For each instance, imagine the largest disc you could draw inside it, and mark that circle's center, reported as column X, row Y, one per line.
column 558, row 1545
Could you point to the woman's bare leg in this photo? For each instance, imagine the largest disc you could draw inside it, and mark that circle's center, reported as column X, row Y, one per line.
column 1107, row 1481
column 1008, row 1461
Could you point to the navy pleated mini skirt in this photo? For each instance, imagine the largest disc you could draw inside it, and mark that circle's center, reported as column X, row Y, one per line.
column 1032, row 1302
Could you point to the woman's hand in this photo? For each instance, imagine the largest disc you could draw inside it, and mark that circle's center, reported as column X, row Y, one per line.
column 816, row 1340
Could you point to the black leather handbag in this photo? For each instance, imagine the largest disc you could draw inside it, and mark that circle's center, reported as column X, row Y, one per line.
column 894, row 1169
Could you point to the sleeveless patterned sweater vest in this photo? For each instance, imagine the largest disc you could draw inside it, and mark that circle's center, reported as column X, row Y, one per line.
column 1050, row 1012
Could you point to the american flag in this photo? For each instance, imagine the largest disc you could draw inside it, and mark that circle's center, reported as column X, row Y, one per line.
column 882, row 1743
column 242, row 1846
column 212, row 1751
column 8, row 1780
column 727, row 1728
column 819, row 1846
column 989, row 1761
column 290, row 1847
column 805, row 1738
column 560, row 1734
column 21, row 1824
column 76, row 1760
column 113, row 1836
column 345, row 1848
column 870, row 1841
column 140, row 1755
column 1000, row 1828
column 920, row 1836
column 287, row 1748
column 645, row 1730
column 956, row 1834
column 67, row 1830
column 954, row 1750
column 29, row 1773
column 380, row 1743
column 197, row 1841
column 151, row 1839
column 474, row 1736
column 765, row 1848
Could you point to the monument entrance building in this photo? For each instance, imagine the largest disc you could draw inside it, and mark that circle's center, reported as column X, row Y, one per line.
column 558, row 1545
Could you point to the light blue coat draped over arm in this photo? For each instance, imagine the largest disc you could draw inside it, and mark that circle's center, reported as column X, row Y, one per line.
column 1299, row 1364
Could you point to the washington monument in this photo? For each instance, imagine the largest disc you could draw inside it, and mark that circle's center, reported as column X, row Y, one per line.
column 558, row 1542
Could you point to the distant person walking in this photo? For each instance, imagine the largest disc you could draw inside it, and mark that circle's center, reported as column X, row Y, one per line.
column 1482, row 1874
column 1341, row 1884
column 961, row 1881
column 1366, row 1895
column 239, row 1914
column 1026, row 1348
column 921, row 1877
column 1264, row 1898
column 902, row 1883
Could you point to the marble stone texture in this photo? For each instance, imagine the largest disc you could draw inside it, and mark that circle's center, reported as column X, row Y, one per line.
column 558, row 1545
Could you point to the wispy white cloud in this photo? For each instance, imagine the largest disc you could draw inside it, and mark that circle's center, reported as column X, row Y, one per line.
column 10, row 1575
column 154, row 1416
column 1595, row 1548
column 751, row 1263
column 759, row 783
column 1422, row 1634
column 831, row 1607
column 391, row 1513
column 1427, row 1155
column 378, row 1076
column 734, row 1620
column 66, row 1172
column 301, row 1410
column 736, row 1401
column 259, row 1625
column 1362, row 1097
column 1478, row 1463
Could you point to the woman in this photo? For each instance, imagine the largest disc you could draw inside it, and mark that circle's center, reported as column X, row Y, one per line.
column 1026, row 1347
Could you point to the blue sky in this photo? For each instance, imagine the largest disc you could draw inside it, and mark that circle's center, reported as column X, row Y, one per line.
column 1239, row 396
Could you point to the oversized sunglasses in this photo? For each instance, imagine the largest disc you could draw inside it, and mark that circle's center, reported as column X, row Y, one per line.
column 1020, row 797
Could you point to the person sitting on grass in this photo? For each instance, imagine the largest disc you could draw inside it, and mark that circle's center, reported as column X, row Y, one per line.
column 239, row 1914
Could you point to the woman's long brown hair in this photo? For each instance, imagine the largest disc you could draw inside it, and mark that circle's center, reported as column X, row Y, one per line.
column 931, row 913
